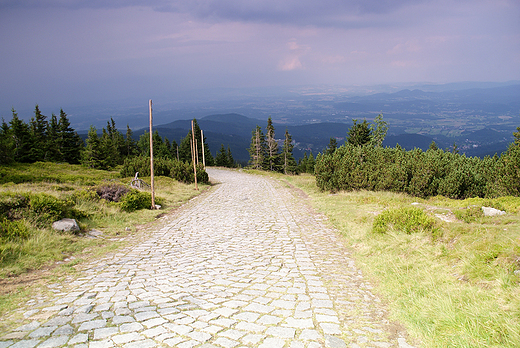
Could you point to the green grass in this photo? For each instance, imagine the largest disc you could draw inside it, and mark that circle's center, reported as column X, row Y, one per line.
column 451, row 286
column 40, row 247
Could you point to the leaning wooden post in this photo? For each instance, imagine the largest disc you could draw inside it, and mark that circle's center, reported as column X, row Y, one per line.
column 151, row 157
column 193, row 156
column 203, row 155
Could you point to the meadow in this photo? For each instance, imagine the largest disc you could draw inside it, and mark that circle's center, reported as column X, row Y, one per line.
column 448, row 273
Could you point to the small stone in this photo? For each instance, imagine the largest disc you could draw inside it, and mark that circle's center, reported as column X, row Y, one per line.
column 55, row 341
column 492, row 211
column 25, row 344
column 66, row 225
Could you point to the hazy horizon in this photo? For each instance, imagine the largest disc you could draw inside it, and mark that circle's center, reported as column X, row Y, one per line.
column 62, row 53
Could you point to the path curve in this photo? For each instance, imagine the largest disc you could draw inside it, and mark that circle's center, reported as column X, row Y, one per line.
column 247, row 265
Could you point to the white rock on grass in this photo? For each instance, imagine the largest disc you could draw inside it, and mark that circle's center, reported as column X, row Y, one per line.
column 492, row 211
column 66, row 225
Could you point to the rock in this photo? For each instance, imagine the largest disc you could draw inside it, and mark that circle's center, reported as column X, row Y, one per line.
column 66, row 225
column 492, row 211
column 94, row 233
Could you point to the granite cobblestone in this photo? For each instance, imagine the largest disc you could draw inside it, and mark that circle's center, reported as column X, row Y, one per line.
column 247, row 265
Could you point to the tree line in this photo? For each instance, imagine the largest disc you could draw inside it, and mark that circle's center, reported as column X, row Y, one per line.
column 55, row 140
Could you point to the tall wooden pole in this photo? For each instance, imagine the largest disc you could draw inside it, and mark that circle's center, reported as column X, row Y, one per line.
column 193, row 149
column 203, row 155
column 151, row 156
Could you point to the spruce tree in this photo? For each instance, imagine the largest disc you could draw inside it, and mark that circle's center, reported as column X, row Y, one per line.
column 333, row 145
column 6, row 144
column 221, row 159
column 70, row 142
column 272, row 146
column 130, row 148
column 38, row 129
column 258, row 149
column 288, row 163
column 93, row 155
column 230, row 159
column 359, row 134
column 22, row 139
column 378, row 131
column 54, row 155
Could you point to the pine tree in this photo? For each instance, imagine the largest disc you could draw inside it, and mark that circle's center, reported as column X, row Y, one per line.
column 230, row 159
column 93, row 155
column 6, row 144
column 359, row 134
column 331, row 148
column 185, row 147
column 258, row 149
column 70, row 142
column 21, row 138
column 378, row 130
column 130, row 148
column 38, row 129
column 54, row 155
column 272, row 146
column 289, row 164
column 221, row 159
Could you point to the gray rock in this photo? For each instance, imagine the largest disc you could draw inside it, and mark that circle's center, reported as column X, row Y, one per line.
column 66, row 225
column 334, row 342
column 492, row 211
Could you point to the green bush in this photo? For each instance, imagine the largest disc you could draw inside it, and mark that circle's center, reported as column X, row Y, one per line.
column 13, row 230
column 180, row 171
column 13, row 206
column 44, row 209
column 407, row 220
column 136, row 200
column 416, row 172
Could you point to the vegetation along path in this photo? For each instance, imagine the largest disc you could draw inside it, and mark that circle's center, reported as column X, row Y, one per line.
column 247, row 265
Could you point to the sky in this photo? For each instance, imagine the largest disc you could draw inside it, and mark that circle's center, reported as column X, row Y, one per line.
column 76, row 52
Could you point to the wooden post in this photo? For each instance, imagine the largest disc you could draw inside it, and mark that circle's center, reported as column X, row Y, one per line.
column 203, row 155
column 151, row 157
column 193, row 154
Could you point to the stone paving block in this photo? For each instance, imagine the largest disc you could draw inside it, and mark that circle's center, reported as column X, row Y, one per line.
column 25, row 344
column 43, row 331
column 5, row 344
column 105, row 332
column 127, row 337
column 29, row 327
column 54, row 341
column 91, row 325
column 148, row 343
column 180, row 329
column 330, row 329
column 282, row 332
column 130, row 327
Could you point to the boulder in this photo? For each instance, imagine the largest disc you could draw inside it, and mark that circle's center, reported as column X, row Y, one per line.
column 66, row 225
column 492, row 211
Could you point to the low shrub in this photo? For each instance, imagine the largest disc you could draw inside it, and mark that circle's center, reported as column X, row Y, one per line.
column 44, row 209
column 13, row 230
column 407, row 220
column 469, row 214
column 136, row 200
column 180, row 171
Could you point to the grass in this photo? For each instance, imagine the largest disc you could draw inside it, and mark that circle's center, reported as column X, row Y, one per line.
column 453, row 285
column 43, row 248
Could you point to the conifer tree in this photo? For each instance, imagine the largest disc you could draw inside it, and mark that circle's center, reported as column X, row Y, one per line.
column 130, row 148
column 333, row 145
column 272, row 146
column 54, row 155
column 38, row 129
column 70, row 142
column 258, row 149
column 185, row 146
column 221, row 158
column 359, row 134
column 289, row 164
column 378, row 131
column 230, row 159
column 6, row 144
column 22, row 139
column 93, row 155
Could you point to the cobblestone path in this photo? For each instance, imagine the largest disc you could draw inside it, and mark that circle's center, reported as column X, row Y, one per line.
column 246, row 265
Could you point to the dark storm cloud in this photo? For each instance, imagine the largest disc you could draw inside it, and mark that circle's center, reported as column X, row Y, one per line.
column 321, row 13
